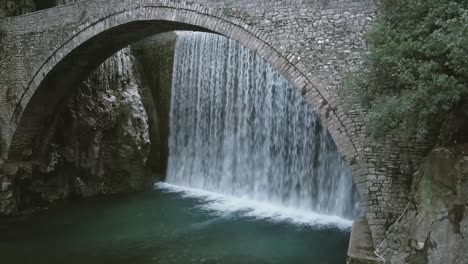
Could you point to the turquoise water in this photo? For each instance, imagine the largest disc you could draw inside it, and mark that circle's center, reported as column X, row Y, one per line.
column 163, row 227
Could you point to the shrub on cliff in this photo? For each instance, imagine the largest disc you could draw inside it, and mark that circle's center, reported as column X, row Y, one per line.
column 416, row 71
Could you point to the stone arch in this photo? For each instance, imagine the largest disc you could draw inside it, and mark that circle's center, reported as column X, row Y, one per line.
column 128, row 21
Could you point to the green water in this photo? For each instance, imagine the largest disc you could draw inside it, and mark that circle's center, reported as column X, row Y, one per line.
column 160, row 227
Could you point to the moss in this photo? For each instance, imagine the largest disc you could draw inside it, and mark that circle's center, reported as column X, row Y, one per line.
column 227, row 11
column 123, row 110
column 83, row 14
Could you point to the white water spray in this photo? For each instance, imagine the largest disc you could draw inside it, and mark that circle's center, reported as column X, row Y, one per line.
column 238, row 128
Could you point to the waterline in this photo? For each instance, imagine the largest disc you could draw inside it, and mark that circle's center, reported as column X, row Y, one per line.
column 162, row 227
column 220, row 204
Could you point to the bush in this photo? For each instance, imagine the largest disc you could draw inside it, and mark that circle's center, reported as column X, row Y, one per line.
column 416, row 71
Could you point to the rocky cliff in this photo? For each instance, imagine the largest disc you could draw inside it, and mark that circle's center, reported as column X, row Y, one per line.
column 434, row 226
column 98, row 143
column 154, row 63
column 110, row 136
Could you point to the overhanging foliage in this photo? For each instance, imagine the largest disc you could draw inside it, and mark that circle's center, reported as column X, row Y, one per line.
column 416, row 71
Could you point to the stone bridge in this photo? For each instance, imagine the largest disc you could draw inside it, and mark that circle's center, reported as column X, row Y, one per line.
column 313, row 43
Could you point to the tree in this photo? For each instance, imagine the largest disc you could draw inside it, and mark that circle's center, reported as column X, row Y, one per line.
column 416, row 71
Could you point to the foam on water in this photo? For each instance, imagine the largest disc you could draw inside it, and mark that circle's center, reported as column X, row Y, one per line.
column 220, row 204
column 238, row 128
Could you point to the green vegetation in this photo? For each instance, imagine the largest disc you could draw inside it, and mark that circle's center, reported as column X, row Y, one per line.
column 227, row 11
column 416, row 72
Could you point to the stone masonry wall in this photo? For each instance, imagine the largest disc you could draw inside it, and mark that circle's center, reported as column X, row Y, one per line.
column 16, row 7
column 78, row 156
column 329, row 36
column 309, row 41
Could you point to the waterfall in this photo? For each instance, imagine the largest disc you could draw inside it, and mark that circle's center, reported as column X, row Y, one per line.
column 238, row 127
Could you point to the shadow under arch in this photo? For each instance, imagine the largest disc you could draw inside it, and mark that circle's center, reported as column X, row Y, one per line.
column 76, row 57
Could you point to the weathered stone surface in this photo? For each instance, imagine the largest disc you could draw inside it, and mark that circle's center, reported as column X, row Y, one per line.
column 7, row 199
column 312, row 43
column 154, row 61
column 16, row 7
column 361, row 246
column 105, row 131
column 98, row 143
column 434, row 225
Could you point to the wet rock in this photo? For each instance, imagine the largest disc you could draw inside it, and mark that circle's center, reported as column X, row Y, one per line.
column 104, row 134
column 110, row 136
column 361, row 246
column 98, row 143
column 434, row 226
column 7, row 201
column 154, row 61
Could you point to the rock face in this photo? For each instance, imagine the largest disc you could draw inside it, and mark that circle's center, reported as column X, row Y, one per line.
column 361, row 246
column 111, row 136
column 99, row 141
column 434, row 226
column 98, row 144
column 154, row 63
column 7, row 200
